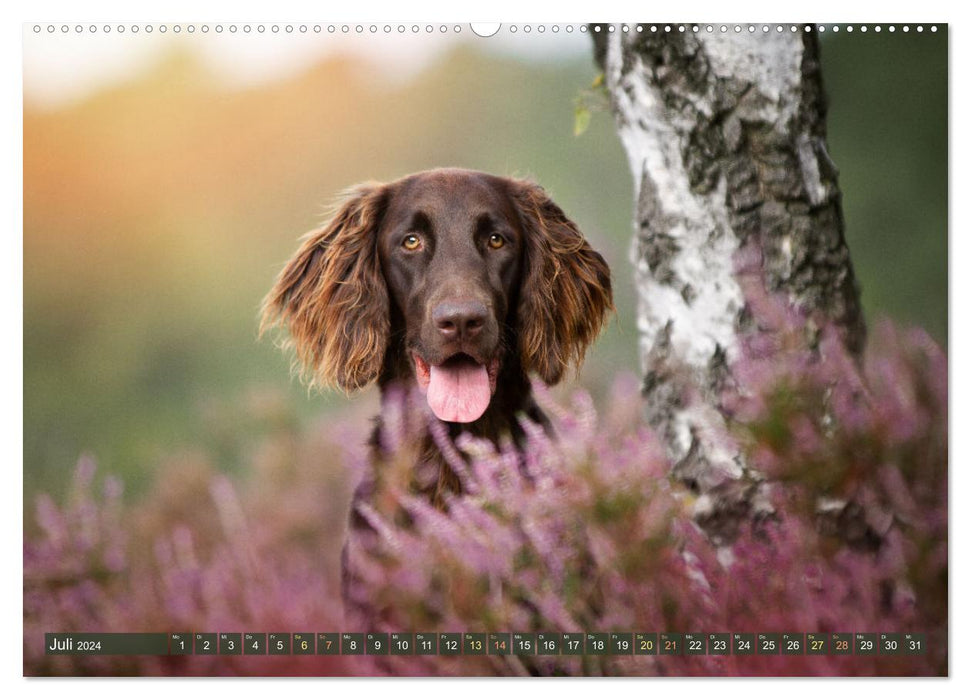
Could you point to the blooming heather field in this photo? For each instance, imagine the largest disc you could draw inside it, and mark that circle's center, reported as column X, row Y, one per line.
column 590, row 535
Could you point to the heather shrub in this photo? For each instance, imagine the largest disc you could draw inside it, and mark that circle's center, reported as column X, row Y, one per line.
column 584, row 532
column 202, row 553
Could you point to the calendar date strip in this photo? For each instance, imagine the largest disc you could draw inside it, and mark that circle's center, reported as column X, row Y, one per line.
column 485, row 643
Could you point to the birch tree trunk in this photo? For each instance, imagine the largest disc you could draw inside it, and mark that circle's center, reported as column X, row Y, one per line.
column 726, row 138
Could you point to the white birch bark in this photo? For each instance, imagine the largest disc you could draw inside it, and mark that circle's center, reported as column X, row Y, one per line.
column 725, row 135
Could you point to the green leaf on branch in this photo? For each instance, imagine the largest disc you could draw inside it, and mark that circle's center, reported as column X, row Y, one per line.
column 581, row 119
column 587, row 101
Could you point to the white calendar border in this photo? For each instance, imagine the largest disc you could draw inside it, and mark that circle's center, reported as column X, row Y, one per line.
column 507, row 10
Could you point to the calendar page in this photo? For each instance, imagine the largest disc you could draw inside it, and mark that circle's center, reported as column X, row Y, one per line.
column 414, row 348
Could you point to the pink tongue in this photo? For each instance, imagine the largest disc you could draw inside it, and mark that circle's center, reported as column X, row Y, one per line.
column 459, row 392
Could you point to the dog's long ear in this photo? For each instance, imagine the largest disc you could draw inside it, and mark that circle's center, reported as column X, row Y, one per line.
column 565, row 293
column 332, row 298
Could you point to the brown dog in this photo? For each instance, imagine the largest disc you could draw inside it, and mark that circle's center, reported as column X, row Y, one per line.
column 456, row 282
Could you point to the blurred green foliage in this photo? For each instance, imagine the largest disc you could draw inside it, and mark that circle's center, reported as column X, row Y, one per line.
column 157, row 213
column 888, row 132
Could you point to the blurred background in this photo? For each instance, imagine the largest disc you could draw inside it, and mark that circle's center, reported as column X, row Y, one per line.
column 167, row 179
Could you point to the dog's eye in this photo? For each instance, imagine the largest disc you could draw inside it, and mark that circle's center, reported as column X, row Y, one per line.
column 496, row 241
column 411, row 242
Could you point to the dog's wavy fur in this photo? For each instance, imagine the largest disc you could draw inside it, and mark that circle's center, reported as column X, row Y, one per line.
column 332, row 298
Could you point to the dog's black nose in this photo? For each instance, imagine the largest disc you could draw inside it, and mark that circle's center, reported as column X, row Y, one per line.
column 459, row 320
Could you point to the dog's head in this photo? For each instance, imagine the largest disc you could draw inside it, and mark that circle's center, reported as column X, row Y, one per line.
column 458, row 271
